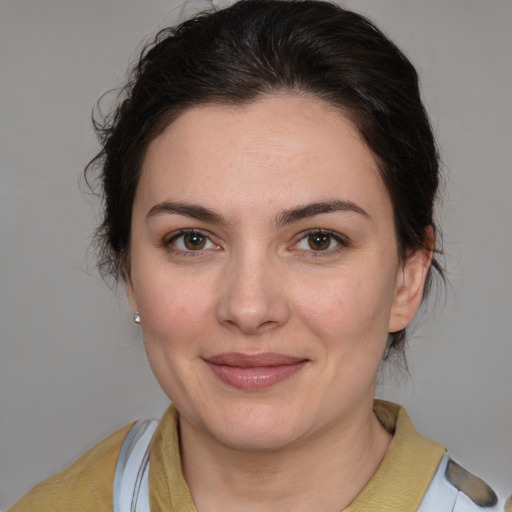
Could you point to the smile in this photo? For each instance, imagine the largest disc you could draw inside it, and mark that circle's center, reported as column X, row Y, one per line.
column 252, row 372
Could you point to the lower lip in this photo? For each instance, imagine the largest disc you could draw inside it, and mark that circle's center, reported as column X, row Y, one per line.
column 255, row 377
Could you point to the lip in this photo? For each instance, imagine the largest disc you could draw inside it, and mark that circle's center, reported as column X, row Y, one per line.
column 253, row 372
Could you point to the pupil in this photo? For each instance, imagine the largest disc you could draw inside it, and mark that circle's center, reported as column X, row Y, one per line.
column 319, row 241
column 195, row 241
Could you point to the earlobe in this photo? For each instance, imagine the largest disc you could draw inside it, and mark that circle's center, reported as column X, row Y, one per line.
column 410, row 284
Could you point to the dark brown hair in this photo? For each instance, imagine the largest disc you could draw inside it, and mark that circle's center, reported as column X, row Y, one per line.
column 261, row 47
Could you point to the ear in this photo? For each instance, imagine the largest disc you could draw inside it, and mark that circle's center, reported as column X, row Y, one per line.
column 410, row 284
column 130, row 293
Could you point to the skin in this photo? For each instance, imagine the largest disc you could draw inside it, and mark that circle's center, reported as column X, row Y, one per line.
column 256, row 282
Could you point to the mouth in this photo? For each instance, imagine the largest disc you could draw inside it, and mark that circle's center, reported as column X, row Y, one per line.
column 253, row 372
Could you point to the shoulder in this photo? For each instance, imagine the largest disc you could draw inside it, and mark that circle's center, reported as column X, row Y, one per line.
column 456, row 489
column 85, row 485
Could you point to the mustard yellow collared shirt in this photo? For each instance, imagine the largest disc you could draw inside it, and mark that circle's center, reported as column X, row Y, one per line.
column 86, row 485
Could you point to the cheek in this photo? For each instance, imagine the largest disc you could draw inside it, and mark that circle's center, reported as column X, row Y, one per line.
column 349, row 311
column 175, row 317
column 174, row 310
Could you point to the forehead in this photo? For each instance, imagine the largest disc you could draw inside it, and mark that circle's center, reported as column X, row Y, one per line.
column 284, row 148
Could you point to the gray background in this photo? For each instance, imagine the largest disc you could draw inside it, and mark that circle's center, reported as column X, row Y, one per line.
column 72, row 363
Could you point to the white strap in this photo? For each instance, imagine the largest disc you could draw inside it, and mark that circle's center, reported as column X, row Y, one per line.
column 131, row 480
column 442, row 496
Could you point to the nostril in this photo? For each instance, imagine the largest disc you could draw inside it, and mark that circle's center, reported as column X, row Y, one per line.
column 257, row 315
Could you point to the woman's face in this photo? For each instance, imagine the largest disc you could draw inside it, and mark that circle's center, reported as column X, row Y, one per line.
column 265, row 270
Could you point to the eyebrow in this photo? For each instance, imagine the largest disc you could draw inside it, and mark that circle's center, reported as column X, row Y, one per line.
column 188, row 210
column 286, row 217
column 310, row 210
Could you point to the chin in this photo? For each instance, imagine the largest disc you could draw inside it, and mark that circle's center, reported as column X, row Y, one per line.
column 257, row 430
column 256, row 441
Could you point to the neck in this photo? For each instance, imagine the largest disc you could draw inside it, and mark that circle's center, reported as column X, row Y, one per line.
column 324, row 472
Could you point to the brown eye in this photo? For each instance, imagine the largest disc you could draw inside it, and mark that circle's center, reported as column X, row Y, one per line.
column 319, row 241
column 194, row 241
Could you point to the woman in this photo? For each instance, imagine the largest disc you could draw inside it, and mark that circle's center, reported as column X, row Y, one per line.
column 269, row 184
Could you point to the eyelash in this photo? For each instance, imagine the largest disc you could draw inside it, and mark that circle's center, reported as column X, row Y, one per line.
column 341, row 242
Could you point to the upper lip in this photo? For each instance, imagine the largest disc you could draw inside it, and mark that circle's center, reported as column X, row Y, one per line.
column 253, row 360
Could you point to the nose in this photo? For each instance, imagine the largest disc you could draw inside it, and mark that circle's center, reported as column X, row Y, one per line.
column 252, row 295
